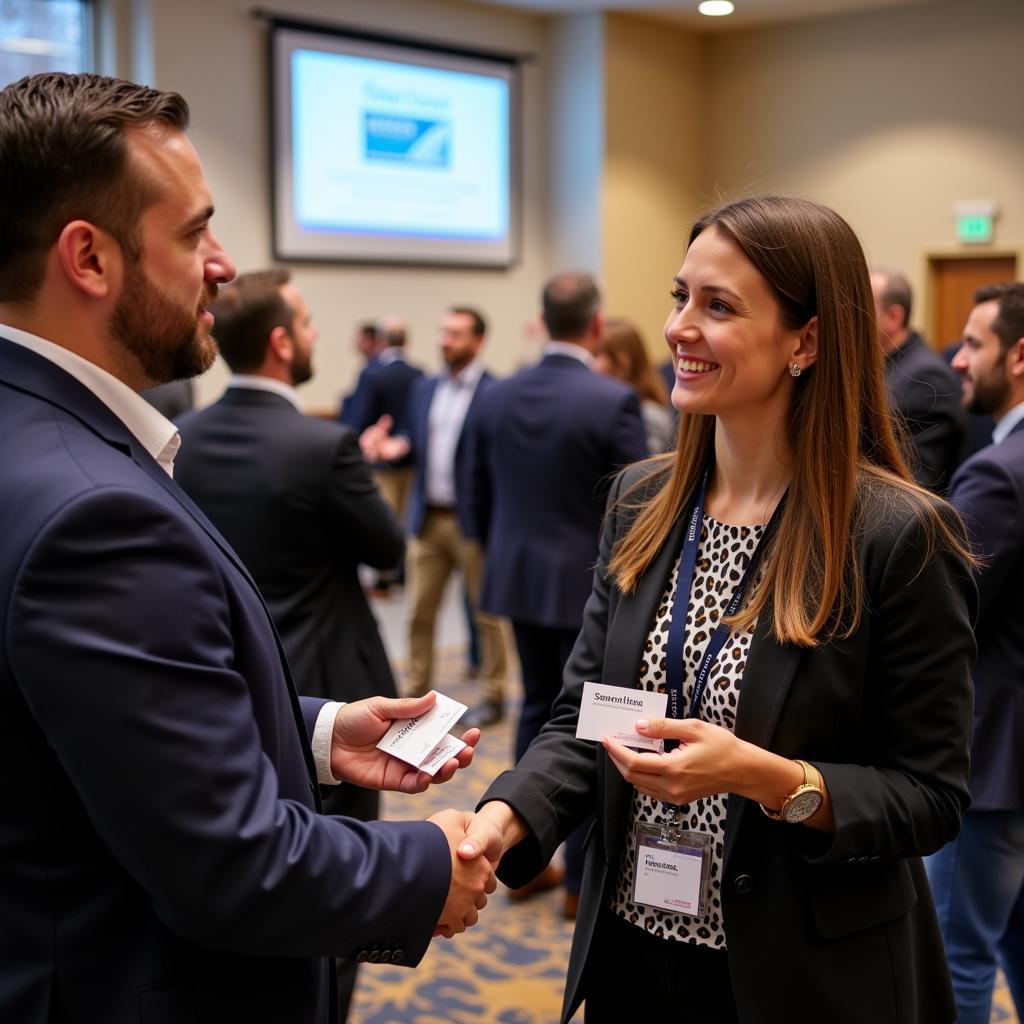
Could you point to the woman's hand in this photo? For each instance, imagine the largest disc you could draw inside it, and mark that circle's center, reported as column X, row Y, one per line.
column 708, row 760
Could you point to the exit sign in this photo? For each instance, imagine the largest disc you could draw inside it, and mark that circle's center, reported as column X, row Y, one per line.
column 975, row 221
column 976, row 228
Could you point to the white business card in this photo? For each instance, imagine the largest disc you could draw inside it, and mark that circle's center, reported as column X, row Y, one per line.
column 413, row 739
column 444, row 751
column 613, row 711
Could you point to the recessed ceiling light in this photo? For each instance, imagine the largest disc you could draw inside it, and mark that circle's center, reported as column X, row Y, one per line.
column 31, row 47
column 716, row 8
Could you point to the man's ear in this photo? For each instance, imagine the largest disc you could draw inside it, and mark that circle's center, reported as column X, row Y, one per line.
column 1015, row 359
column 90, row 258
column 281, row 345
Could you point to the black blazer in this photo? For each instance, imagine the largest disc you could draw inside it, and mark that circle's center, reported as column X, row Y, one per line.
column 926, row 393
column 294, row 497
column 988, row 491
column 546, row 444
column 819, row 928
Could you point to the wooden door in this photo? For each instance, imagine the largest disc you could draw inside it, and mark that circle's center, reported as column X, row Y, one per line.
column 953, row 281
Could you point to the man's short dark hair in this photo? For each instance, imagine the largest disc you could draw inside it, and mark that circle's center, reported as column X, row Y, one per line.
column 896, row 292
column 569, row 304
column 369, row 329
column 245, row 314
column 479, row 323
column 1009, row 322
column 63, row 157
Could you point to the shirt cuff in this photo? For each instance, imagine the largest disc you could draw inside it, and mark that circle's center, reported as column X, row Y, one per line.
column 323, row 732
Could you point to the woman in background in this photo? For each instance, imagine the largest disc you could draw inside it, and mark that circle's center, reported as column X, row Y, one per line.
column 806, row 607
column 623, row 355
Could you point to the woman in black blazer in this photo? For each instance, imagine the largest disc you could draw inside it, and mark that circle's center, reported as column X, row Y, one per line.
column 837, row 596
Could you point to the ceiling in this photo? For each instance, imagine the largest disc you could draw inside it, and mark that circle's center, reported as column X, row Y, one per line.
column 748, row 13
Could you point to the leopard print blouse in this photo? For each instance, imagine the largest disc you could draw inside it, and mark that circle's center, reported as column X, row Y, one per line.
column 721, row 560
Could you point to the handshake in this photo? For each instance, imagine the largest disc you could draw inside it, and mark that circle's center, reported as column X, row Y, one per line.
column 477, row 843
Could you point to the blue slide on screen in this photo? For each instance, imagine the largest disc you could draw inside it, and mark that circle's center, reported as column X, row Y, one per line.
column 398, row 149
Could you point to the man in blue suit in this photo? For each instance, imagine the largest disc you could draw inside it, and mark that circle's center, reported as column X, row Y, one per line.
column 978, row 879
column 546, row 445
column 437, row 432
column 162, row 854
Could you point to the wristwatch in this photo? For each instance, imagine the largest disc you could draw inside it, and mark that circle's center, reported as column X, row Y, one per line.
column 803, row 801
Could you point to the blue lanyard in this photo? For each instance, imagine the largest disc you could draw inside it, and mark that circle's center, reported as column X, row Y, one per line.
column 681, row 603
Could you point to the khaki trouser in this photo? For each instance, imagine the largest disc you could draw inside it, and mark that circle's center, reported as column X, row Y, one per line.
column 395, row 486
column 431, row 558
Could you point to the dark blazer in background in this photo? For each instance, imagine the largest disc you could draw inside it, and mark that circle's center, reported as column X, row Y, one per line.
column 294, row 497
column 162, row 857
column 416, row 427
column 885, row 716
column 927, row 393
column 988, row 492
column 382, row 389
column 546, row 445
column 171, row 400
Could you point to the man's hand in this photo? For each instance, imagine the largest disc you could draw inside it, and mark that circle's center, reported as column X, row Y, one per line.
column 471, row 882
column 359, row 727
column 378, row 445
column 492, row 830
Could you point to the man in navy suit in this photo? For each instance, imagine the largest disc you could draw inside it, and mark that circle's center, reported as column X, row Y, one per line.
column 296, row 500
column 437, row 432
column 383, row 390
column 162, row 854
column 978, row 879
column 922, row 388
column 546, row 444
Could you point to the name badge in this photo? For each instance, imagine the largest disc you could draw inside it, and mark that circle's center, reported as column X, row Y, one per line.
column 673, row 870
column 613, row 711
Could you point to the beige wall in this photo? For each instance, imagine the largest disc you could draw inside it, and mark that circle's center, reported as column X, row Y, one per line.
column 215, row 54
column 888, row 116
column 655, row 165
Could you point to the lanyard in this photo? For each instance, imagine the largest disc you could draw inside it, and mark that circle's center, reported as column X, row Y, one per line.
column 681, row 603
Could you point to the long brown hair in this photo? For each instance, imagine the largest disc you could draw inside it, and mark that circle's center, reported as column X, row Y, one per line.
column 839, row 429
column 622, row 344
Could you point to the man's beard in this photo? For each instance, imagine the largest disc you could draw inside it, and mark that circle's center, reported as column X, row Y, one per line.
column 302, row 369
column 989, row 394
column 162, row 335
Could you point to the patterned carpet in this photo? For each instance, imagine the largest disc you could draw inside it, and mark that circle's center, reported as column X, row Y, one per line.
column 510, row 968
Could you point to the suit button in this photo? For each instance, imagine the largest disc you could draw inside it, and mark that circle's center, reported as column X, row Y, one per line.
column 385, row 956
column 397, row 956
column 362, row 956
column 742, row 884
column 374, row 957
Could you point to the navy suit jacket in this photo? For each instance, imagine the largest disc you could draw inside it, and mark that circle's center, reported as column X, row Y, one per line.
column 162, row 857
column 296, row 500
column 988, row 491
column 926, row 392
column 416, row 427
column 546, row 444
column 382, row 389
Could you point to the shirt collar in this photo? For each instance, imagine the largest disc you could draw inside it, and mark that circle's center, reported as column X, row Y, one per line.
column 392, row 354
column 571, row 349
column 157, row 434
column 468, row 377
column 259, row 383
column 1008, row 422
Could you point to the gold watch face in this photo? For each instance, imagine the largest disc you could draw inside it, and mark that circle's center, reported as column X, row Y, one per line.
column 802, row 806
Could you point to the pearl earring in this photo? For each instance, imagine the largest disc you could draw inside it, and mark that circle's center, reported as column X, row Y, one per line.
column 794, row 370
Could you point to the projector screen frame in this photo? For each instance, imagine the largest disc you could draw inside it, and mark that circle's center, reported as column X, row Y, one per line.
column 282, row 192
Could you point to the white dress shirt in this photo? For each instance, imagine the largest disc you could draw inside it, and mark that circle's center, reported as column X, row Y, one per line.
column 448, row 409
column 570, row 349
column 1007, row 423
column 260, row 383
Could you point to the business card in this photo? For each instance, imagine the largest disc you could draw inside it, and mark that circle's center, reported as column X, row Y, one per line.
column 413, row 739
column 613, row 711
column 444, row 751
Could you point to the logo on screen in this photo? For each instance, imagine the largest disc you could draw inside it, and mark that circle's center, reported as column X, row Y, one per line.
column 410, row 140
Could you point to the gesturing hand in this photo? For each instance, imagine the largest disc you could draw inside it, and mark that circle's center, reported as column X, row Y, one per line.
column 471, row 882
column 378, row 445
column 358, row 728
